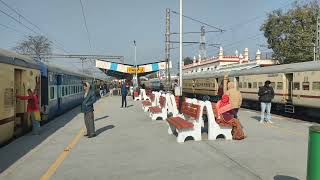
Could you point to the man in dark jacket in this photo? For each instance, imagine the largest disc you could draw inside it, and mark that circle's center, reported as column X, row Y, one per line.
column 87, row 108
column 266, row 94
column 124, row 92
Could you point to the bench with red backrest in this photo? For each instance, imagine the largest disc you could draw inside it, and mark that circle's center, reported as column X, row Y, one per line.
column 192, row 111
column 149, row 103
column 177, row 100
column 148, row 92
column 157, row 109
column 217, row 119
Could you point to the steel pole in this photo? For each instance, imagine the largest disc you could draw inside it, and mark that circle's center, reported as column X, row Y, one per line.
column 135, row 62
column 314, row 53
column 180, row 44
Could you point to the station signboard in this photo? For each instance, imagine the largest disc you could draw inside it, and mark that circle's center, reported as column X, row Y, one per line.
column 133, row 70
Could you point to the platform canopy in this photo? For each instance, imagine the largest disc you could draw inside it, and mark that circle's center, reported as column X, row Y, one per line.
column 121, row 70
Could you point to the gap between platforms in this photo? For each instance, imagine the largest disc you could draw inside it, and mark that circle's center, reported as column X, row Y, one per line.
column 53, row 167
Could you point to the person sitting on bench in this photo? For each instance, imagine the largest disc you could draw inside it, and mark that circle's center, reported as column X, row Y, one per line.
column 225, row 117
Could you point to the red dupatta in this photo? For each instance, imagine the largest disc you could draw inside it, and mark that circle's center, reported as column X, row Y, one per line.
column 223, row 105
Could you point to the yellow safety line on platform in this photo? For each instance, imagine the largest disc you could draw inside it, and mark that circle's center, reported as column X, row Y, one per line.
column 288, row 130
column 62, row 156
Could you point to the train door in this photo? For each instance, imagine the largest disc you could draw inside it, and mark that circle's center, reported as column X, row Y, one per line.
column 59, row 91
column 20, row 122
column 236, row 83
column 289, row 82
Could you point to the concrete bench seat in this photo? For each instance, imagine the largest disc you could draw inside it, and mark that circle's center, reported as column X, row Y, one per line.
column 187, row 124
column 137, row 96
column 159, row 111
column 180, row 123
column 148, row 103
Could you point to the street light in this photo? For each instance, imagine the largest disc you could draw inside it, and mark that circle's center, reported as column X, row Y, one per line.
column 135, row 63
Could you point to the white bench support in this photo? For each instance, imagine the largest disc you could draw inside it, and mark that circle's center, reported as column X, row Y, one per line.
column 214, row 129
column 162, row 114
column 144, row 95
column 172, row 105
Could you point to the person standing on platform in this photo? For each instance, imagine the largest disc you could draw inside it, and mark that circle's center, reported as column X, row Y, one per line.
column 32, row 110
column 266, row 94
column 87, row 108
column 124, row 92
column 235, row 98
column 143, row 86
column 101, row 90
column 220, row 90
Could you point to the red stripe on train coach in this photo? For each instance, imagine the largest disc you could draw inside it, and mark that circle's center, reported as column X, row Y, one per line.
column 280, row 94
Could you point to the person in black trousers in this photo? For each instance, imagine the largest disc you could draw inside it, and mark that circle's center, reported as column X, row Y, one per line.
column 87, row 108
column 124, row 92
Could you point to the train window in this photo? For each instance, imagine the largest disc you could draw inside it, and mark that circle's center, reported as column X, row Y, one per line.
column 260, row 84
column 306, row 86
column 240, row 84
column 62, row 90
column 316, row 86
column 51, row 92
column 244, row 85
column 66, row 91
column 273, row 85
column 249, row 85
column 296, row 86
column 254, row 85
column 279, row 85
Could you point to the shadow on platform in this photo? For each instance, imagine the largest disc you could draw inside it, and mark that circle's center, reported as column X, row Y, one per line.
column 17, row 148
column 100, row 118
column 282, row 177
column 101, row 130
column 256, row 118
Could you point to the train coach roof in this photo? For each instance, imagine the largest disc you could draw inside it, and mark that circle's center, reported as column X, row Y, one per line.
column 10, row 57
column 285, row 68
column 65, row 71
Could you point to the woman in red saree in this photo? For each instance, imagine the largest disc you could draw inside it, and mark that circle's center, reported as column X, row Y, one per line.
column 226, row 117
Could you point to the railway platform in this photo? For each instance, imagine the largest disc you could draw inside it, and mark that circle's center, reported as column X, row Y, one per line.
column 129, row 145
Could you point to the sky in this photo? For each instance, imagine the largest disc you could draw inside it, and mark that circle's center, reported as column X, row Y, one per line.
column 113, row 25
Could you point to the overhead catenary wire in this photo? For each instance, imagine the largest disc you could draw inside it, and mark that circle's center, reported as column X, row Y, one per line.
column 15, row 19
column 56, row 43
column 13, row 29
column 20, row 15
column 220, row 30
column 174, row 33
column 85, row 24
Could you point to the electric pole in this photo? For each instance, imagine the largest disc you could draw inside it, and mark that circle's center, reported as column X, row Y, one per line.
column 318, row 38
column 167, row 49
column 202, row 48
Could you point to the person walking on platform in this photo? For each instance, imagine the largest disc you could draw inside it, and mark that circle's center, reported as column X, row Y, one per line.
column 235, row 98
column 32, row 110
column 266, row 94
column 87, row 108
column 124, row 92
